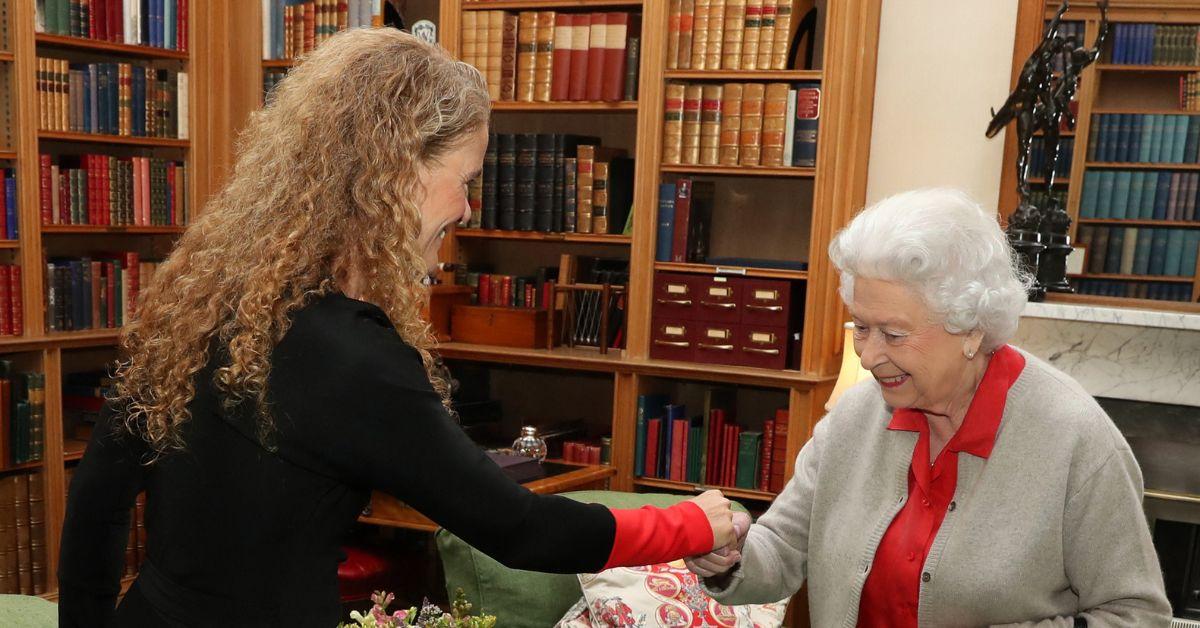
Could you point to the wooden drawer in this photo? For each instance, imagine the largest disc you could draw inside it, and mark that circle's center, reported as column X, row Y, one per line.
column 675, row 296
column 718, row 299
column 503, row 326
column 766, row 302
column 716, row 343
column 762, row 346
column 672, row 339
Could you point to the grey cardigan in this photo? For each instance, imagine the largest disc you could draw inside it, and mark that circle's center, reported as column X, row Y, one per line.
column 1049, row 528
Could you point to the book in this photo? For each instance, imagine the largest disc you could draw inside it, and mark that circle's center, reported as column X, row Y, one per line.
column 710, row 124
column 692, row 101
column 701, row 29
column 648, row 407
column 560, row 83
column 653, row 438
column 750, row 148
column 508, row 56
column 612, row 83
column 632, row 60
column 693, row 217
column 687, row 12
column 581, row 37
column 766, row 35
column 598, row 41
column 807, row 123
column 774, row 123
column 730, row 136
column 749, row 447
column 526, row 76
column 526, row 182
column 735, row 29
column 783, row 29
column 716, row 35
column 600, row 198
column 543, row 57
column 672, row 150
column 664, row 237
column 674, row 17
column 751, row 33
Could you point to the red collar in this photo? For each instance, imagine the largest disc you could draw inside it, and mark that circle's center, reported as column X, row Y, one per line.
column 977, row 434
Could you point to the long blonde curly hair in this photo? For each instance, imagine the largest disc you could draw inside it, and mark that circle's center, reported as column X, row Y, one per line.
column 326, row 187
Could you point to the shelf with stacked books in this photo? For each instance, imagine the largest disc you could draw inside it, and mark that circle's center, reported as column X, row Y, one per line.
column 127, row 140
column 738, row 271
column 745, row 75
column 1126, row 67
column 537, row 236
column 97, row 45
column 1149, row 278
column 484, row 5
column 1134, row 222
column 548, row 106
column 728, row 491
column 112, row 229
column 743, row 171
column 1142, row 166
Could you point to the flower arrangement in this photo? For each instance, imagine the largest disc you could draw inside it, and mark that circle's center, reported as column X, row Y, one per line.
column 428, row 616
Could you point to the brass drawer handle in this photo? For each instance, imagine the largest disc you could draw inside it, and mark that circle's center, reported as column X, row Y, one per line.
column 715, row 347
column 762, row 351
column 724, row 306
column 669, row 343
column 684, row 302
column 764, row 308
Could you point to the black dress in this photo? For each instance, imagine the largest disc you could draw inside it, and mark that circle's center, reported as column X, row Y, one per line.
column 239, row 535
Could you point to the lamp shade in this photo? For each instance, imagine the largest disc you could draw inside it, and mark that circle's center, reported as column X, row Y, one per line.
column 852, row 371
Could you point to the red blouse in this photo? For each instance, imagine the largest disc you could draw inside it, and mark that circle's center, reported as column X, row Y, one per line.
column 892, row 591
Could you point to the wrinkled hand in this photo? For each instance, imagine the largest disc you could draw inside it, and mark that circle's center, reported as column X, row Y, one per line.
column 720, row 516
column 722, row 560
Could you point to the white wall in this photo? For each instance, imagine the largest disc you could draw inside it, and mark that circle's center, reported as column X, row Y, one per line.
column 942, row 65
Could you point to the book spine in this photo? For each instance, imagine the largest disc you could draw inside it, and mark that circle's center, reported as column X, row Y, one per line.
column 701, row 27
column 750, row 150
column 600, row 197
column 672, row 151
column 506, row 182
column 508, row 57
column 766, row 35
column 544, row 57
column 581, row 37
column 783, row 29
column 666, row 222
column 710, row 124
column 716, row 35
column 683, row 209
column 807, row 123
column 692, row 98
column 633, row 51
column 560, row 83
column 674, row 16
column 774, row 123
column 687, row 27
column 585, row 162
column 598, row 40
column 615, row 39
column 543, row 218
column 752, row 29
column 735, row 30
column 570, row 194
column 526, row 55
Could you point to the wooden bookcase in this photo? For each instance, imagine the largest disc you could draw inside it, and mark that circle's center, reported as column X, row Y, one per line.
column 1109, row 88
column 833, row 191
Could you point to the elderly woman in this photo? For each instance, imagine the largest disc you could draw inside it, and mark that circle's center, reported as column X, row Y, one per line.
column 279, row 369
column 968, row 484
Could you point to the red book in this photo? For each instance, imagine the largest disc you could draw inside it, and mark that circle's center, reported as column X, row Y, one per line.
column 110, row 272
column 5, row 302
column 181, row 34
column 506, row 291
column 594, row 454
column 616, row 34
column 134, row 276
column 64, row 196
column 106, row 183
column 14, row 292
column 116, row 22
column 779, row 456
column 683, row 208
column 485, row 289
column 46, row 199
column 653, row 428
column 530, row 295
column 581, row 33
column 679, row 438
column 560, row 71
column 547, row 294
column 596, row 43
column 764, row 457
column 731, row 455
column 97, row 24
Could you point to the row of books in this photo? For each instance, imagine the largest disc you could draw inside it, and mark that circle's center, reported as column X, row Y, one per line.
column 94, row 292
column 741, row 124
column 1189, row 92
column 710, row 448
column 106, row 190
column 155, row 23
column 295, row 27
column 1145, row 138
column 12, row 309
column 1134, row 289
column 1071, row 28
column 511, row 291
column 135, row 548
column 684, row 219
column 271, row 78
column 1066, row 155
column 1041, row 198
column 729, row 34
column 112, row 98
column 1155, row 44
column 1140, row 250
column 1140, row 195
column 23, row 534
column 598, row 451
column 22, row 414
column 553, row 183
column 543, row 56
column 8, row 204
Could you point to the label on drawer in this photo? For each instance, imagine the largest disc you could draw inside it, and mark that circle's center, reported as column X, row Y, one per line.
column 766, row 295
column 715, row 291
column 762, row 338
column 674, row 330
column 674, row 288
column 720, row 334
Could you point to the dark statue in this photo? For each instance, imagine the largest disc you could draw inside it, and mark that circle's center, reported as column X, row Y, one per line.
column 1041, row 102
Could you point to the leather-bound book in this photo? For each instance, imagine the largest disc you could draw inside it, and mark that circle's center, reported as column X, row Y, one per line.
column 490, row 189
column 692, row 98
column 526, row 181
column 581, row 36
column 735, row 32
column 700, row 33
column 672, row 150
column 674, row 9
column 37, row 530
column 806, row 125
column 526, row 55
column 750, row 38
column 560, row 80
column 716, row 35
column 616, row 35
column 710, row 124
column 495, row 52
column 508, row 57
column 598, row 39
column 633, row 56
column 543, row 205
column 783, row 35
column 766, row 35
column 600, row 197
column 687, row 13
column 544, row 57
column 506, row 182
column 774, row 126
column 750, row 151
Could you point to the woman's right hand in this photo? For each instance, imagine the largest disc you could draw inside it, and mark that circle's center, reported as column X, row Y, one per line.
column 720, row 517
column 722, row 560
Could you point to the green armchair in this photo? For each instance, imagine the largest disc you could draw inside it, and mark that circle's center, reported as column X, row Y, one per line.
column 527, row 599
column 27, row 611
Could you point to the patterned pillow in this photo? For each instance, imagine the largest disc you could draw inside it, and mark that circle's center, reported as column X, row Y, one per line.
column 660, row 596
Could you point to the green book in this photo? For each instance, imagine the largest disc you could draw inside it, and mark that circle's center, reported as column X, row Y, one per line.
column 749, row 446
column 1174, row 258
column 1181, row 135
column 695, row 446
column 1191, row 248
column 1167, row 148
column 649, row 407
column 1105, row 199
column 1143, row 155
column 1121, row 191
column 1091, row 193
column 1137, row 188
column 1141, row 254
column 1151, row 188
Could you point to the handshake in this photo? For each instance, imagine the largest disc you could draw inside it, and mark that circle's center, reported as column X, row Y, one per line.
column 729, row 534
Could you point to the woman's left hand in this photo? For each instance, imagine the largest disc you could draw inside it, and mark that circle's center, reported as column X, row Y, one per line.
column 722, row 560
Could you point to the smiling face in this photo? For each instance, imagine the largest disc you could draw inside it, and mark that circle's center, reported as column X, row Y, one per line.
column 445, row 184
column 917, row 363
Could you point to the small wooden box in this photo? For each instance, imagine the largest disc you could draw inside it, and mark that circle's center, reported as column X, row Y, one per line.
column 502, row 326
column 441, row 299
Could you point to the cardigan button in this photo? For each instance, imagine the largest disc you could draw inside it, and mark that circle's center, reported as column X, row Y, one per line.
column 953, row 505
column 925, row 577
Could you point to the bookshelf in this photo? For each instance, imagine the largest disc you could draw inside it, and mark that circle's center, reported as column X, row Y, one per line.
column 1114, row 93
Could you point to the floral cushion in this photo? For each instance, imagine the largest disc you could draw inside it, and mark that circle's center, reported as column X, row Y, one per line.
column 660, row 596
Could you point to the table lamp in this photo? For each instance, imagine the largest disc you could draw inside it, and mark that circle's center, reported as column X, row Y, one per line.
column 852, row 371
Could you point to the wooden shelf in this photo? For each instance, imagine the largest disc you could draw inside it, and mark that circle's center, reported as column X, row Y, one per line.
column 739, row 375
column 582, row 105
column 113, row 139
column 21, row 467
column 1141, row 166
column 1057, row 181
column 746, row 75
column 546, row 4
column 1114, row 277
column 8, row 154
column 582, row 358
column 10, row 244
column 742, row 171
column 1060, row 133
column 96, row 45
column 709, row 269
column 117, row 229
column 1125, row 67
column 728, row 491
column 278, row 64
column 6, row 56
column 1133, row 222
column 85, row 338
column 1143, row 110
column 537, row 236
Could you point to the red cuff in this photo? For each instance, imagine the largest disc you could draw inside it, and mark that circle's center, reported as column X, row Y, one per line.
column 649, row 535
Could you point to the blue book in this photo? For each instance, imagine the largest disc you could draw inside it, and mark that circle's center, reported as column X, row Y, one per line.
column 1104, row 202
column 1156, row 127
column 1147, row 44
column 1141, row 254
column 114, row 103
column 1121, row 189
column 1158, row 251
column 1191, row 243
column 1148, row 192
column 1174, row 257
column 1145, row 139
column 1118, row 45
column 1109, row 129
column 1091, row 192
column 1168, row 139
column 666, row 222
column 1124, row 130
column 10, row 205
column 649, row 407
column 1181, row 136
column 1116, row 244
column 1192, row 145
column 85, row 87
column 806, row 125
column 1135, row 137
column 673, row 412
column 1162, row 196
column 1137, row 188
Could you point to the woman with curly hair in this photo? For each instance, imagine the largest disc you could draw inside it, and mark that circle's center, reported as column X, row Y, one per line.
column 278, row 370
